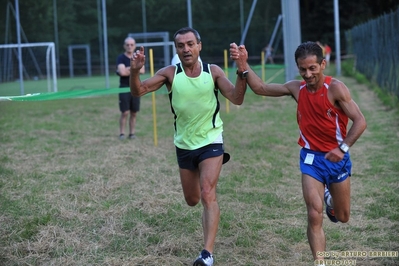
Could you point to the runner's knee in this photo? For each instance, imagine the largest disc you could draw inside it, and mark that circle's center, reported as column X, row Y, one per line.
column 192, row 200
column 342, row 216
column 315, row 216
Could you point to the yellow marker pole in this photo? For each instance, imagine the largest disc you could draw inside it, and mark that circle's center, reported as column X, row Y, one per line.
column 226, row 71
column 263, row 66
column 154, row 109
column 262, row 56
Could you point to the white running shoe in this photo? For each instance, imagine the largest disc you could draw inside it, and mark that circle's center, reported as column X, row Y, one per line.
column 329, row 209
column 204, row 259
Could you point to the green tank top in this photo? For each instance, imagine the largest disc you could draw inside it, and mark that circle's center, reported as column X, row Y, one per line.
column 195, row 105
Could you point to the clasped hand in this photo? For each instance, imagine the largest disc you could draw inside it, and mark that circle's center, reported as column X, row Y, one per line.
column 238, row 53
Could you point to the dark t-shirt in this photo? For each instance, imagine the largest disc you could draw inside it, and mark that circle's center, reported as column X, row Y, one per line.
column 123, row 80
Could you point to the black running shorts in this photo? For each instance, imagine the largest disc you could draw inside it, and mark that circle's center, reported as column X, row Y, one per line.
column 190, row 159
column 127, row 102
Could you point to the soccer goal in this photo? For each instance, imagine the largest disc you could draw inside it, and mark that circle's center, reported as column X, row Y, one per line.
column 165, row 44
column 37, row 64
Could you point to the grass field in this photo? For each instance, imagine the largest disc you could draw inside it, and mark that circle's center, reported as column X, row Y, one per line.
column 72, row 193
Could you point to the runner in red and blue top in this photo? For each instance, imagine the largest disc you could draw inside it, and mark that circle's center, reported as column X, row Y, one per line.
column 324, row 108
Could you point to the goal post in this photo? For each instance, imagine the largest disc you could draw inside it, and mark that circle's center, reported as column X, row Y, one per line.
column 38, row 62
column 165, row 43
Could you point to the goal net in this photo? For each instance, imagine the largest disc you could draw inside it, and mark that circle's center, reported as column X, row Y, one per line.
column 34, row 73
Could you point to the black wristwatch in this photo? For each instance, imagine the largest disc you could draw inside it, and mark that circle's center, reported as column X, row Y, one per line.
column 344, row 147
column 243, row 74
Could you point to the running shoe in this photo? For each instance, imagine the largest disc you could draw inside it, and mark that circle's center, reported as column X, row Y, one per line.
column 329, row 209
column 204, row 259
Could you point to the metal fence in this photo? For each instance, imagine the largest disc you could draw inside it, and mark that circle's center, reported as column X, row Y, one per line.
column 375, row 45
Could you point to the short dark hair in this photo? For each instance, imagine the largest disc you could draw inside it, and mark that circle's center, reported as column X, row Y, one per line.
column 186, row 30
column 309, row 48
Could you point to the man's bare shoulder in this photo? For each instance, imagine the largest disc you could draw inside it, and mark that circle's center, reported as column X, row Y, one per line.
column 338, row 91
column 216, row 71
column 292, row 88
column 293, row 85
column 168, row 70
column 215, row 67
column 337, row 86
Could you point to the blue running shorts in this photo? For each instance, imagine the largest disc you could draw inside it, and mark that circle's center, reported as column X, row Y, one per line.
column 314, row 164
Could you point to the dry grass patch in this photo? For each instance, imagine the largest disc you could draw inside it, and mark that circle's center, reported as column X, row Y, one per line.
column 71, row 193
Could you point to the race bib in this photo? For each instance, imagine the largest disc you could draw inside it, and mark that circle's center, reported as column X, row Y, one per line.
column 309, row 158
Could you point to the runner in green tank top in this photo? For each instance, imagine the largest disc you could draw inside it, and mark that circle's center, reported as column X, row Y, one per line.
column 193, row 89
column 196, row 108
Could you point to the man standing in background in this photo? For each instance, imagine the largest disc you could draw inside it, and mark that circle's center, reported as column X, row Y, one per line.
column 127, row 102
column 327, row 51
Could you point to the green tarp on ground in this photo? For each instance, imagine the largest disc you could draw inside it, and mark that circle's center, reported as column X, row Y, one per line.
column 45, row 96
column 63, row 95
column 68, row 94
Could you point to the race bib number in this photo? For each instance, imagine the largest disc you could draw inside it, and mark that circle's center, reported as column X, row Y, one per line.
column 309, row 158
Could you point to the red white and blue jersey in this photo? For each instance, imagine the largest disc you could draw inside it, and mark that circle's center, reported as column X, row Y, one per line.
column 322, row 127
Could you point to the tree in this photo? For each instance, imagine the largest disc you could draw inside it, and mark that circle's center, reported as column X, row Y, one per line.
column 217, row 21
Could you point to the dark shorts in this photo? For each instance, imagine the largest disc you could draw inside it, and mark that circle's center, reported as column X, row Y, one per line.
column 314, row 164
column 128, row 103
column 190, row 159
